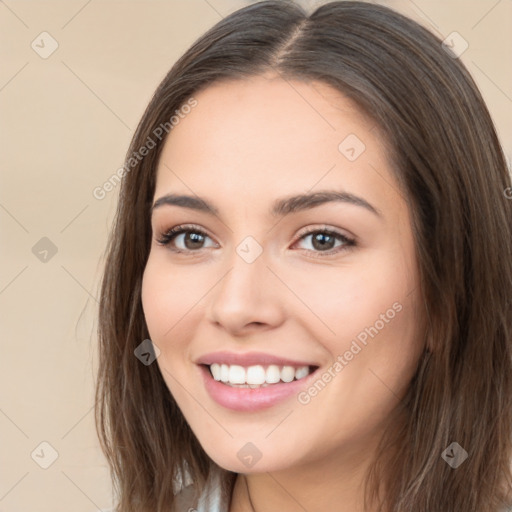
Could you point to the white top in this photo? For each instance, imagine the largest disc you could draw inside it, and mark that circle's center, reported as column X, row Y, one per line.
column 212, row 498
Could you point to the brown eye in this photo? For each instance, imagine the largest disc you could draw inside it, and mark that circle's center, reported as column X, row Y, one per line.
column 324, row 241
column 185, row 238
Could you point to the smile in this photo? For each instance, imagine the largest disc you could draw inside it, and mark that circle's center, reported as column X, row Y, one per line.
column 244, row 397
column 257, row 375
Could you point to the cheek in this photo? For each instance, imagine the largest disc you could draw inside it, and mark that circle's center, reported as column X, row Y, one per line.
column 168, row 305
column 169, row 297
column 347, row 299
column 157, row 302
column 378, row 328
column 368, row 315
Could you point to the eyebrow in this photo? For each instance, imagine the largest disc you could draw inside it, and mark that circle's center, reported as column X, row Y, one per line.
column 280, row 207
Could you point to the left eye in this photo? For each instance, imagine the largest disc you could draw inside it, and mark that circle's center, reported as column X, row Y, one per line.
column 324, row 240
column 193, row 238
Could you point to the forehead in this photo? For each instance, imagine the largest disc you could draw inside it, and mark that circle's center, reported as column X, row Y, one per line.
column 249, row 136
column 249, row 114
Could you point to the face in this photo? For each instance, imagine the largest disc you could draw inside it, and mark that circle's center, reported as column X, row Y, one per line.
column 328, row 282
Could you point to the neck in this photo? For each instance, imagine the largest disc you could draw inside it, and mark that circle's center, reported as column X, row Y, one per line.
column 314, row 486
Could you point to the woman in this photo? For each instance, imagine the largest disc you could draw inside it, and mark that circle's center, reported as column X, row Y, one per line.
column 314, row 232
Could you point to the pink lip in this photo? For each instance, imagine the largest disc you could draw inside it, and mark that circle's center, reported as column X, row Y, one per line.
column 249, row 359
column 251, row 400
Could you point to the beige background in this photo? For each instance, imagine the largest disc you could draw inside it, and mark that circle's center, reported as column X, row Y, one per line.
column 66, row 122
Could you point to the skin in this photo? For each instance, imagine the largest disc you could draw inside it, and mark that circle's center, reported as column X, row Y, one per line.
column 244, row 145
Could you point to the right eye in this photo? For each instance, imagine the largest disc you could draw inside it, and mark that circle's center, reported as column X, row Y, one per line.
column 192, row 240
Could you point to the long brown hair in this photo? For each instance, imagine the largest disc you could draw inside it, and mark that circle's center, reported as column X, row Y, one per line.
column 450, row 164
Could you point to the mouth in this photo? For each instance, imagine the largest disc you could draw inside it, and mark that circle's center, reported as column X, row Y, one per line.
column 249, row 389
column 259, row 375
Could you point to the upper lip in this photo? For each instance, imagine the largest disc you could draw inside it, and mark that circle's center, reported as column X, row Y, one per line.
column 249, row 359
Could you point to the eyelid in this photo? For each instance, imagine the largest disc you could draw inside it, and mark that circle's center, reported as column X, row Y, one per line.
column 324, row 227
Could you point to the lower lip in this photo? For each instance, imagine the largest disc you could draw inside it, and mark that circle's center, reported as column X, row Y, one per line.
column 250, row 400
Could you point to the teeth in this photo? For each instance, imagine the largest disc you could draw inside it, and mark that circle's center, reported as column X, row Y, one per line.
column 236, row 374
column 256, row 376
column 287, row 373
column 224, row 373
column 302, row 372
column 216, row 371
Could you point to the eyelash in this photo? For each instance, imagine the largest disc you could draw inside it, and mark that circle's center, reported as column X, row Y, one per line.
column 166, row 238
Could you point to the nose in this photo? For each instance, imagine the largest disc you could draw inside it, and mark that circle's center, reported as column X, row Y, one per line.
column 248, row 297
